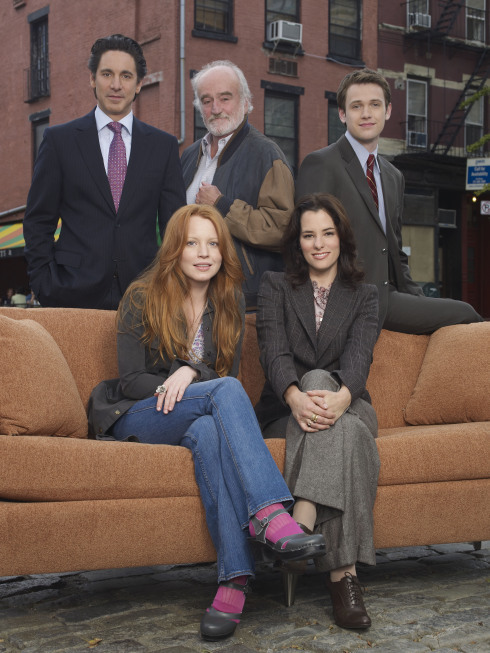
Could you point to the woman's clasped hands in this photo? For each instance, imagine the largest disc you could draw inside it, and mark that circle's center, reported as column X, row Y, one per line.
column 317, row 410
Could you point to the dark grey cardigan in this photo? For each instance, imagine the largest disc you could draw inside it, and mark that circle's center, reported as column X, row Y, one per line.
column 142, row 369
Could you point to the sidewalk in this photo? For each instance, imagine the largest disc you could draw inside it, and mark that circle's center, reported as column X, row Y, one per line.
column 420, row 599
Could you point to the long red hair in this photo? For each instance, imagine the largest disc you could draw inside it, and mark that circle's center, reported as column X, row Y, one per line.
column 158, row 294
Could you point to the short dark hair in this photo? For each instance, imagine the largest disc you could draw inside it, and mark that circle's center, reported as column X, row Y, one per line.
column 117, row 42
column 364, row 76
column 296, row 266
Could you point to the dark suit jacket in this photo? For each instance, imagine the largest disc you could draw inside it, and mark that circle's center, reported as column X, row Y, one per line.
column 290, row 347
column 336, row 169
column 70, row 183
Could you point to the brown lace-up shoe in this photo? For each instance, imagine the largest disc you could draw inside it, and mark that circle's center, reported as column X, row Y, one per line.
column 348, row 606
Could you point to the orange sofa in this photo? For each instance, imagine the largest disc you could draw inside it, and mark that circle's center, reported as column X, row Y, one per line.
column 71, row 503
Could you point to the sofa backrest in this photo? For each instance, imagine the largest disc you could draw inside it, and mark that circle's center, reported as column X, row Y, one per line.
column 87, row 339
column 411, row 376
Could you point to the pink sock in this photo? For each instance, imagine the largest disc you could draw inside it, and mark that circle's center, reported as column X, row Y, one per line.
column 228, row 599
column 280, row 526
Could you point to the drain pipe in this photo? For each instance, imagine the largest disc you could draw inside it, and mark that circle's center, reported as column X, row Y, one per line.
column 182, row 72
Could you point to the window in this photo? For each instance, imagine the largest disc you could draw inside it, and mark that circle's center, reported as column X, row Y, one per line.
column 199, row 127
column 416, row 113
column 214, row 18
column 418, row 14
column 474, row 124
column 281, row 110
column 475, row 20
column 345, row 30
column 281, row 10
column 38, row 78
column 335, row 127
column 418, row 6
column 38, row 128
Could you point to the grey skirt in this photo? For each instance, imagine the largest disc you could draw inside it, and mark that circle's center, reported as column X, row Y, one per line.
column 337, row 469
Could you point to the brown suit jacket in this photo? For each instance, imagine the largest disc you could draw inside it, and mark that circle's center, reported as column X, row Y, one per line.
column 336, row 169
column 290, row 347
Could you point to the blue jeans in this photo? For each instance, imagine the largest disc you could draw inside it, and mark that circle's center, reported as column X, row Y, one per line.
column 235, row 472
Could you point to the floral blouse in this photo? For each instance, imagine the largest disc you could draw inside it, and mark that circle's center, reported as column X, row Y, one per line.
column 320, row 295
column 196, row 353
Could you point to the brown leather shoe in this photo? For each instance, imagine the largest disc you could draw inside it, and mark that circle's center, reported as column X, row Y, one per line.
column 348, row 606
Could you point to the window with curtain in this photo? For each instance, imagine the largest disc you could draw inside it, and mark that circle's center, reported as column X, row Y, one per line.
column 215, row 16
column 475, row 20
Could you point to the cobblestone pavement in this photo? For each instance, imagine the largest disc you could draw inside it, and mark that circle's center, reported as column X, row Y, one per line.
column 420, row 599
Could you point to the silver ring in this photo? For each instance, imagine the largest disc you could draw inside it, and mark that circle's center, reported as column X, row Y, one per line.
column 161, row 389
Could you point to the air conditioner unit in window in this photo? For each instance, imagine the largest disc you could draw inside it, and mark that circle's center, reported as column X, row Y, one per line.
column 417, row 139
column 417, row 19
column 283, row 30
column 446, row 218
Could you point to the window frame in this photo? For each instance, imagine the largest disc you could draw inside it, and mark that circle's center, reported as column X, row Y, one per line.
column 340, row 56
column 470, row 123
column 227, row 34
column 476, row 18
column 417, row 117
column 285, row 92
column 333, row 132
column 282, row 46
column 38, row 81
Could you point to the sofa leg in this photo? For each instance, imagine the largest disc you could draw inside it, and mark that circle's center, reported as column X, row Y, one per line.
column 477, row 546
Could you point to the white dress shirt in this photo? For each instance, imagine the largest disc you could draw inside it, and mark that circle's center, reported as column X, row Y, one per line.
column 207, row 166
column 106, row 135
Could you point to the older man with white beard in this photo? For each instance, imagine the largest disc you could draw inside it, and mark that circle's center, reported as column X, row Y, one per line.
column 240, row 171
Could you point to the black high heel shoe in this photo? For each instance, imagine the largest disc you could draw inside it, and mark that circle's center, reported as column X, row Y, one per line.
column 300, row 546
column 216, row 625
column 291, row 571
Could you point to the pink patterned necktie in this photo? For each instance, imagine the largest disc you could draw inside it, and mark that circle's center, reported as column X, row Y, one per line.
column 371, row 179
column 116, row 168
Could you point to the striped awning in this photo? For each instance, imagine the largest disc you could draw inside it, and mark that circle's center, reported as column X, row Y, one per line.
column 12, row 236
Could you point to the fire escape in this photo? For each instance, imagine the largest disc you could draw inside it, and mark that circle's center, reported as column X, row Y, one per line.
column 445, row 29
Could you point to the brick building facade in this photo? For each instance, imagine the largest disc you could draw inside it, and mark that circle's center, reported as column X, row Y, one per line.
column 293, row 68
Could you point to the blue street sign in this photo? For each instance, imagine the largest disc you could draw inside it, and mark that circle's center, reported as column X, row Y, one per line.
column 477, row 173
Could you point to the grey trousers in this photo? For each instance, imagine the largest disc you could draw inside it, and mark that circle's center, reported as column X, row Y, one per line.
column 419, row 314
column 337, row 469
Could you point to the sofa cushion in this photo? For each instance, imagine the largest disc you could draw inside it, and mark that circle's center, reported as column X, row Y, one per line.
column 437, row 453
column 86, row 337
column 56, row 469
column 454, row 383
column 38, row 394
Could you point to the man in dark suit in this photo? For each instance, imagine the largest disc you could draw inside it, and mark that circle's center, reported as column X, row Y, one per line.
column 375, row 207
column 108, row 176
